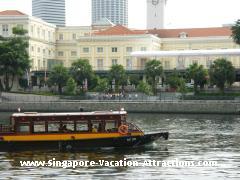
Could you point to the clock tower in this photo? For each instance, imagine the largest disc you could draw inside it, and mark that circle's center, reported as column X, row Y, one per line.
column 155, row 14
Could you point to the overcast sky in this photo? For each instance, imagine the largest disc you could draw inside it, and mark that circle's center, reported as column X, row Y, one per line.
column 179, row 13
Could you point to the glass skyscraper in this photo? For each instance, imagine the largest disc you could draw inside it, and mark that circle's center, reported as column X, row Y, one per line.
column 52, row 11
column 114, row 10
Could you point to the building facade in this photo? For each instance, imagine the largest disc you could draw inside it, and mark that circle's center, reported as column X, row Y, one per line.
column 106, row 45
column 114, row 10
column 155, row 14
column 51, row 11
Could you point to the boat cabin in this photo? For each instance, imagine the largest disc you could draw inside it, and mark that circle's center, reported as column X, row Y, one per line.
column 83, row 122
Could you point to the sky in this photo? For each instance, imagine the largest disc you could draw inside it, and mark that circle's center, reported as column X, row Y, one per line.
column 179, row 13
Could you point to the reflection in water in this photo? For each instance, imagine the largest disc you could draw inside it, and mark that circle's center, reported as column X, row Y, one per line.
column 192, row 138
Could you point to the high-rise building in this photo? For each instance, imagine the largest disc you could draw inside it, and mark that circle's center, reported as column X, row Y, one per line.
column 155, row 14
column 51, row 11
column 114, row 10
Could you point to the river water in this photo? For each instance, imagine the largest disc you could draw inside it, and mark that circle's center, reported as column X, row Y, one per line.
column 192, row 138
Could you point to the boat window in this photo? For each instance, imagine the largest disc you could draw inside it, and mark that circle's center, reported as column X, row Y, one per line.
column 82, row 126
column 38, row 126
column 53, row 126
column 110, row 126
column 24, row 127
column 68, row 125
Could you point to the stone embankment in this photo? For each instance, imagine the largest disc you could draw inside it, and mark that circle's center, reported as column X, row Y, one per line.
column 211, row 107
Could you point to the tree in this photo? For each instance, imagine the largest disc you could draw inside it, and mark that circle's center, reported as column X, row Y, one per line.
column 153, row 70
column 71, row 86
column 173, row 80
column 198, row 74
column 118, row 74
column 222, row 72
column 144, row 88
column 14, row 58
column 82, row 72
column 102, row 85
column 236, row 32
column 59, row 76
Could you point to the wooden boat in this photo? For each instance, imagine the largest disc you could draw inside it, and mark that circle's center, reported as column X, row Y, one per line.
column 72, row 131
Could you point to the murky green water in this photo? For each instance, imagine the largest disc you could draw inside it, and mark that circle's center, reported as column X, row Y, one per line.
column 192, row 138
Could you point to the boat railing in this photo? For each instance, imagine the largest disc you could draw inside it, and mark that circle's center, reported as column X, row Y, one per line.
column 5, row 128
column 133, row 127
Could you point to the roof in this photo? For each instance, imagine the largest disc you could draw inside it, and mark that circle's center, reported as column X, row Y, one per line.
column 192, row 32
column 12, row 13
column 119, row 30
column 35, row 114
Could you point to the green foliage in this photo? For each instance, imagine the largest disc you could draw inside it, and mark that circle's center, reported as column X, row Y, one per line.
column 222, row 72
column 14, row 58
column 118, row 74
column 59, row 77
column 153, row 70
column 181, row 86
column 198, row 74
column 81, row 70
column 23, row 83
column 102, row 85
column 71, row 86
column 134, row 79
column 236, row 32
column 173, row 80
column 19, row 31
column 144, row 88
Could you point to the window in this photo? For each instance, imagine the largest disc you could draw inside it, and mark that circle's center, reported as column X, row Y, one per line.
column 38, row 32
column 60, row 53
column 39, row 50
column 69, row 125
column 143, row 49
column 24, row 127
column 53, row 126
column 60, row 36
column 114, row 61
column 49, row 52
column 82, row 126
column 49, row 35
column 44, row 51
column 143, row 62
column 38, row 126
column 32, row 48
column 5, row 29
column 129, row 64
column 43, row 34
column 100, row 64
column 73, row 53
column 114, row 49
column 129, row 49
column 85, row 49
column 100, row 49
column 74, row 36
column 110, row 126
column 167, row 64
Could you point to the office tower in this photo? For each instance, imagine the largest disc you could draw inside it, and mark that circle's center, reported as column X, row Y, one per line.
column 114, row 10
column 52, row 11
column 155, row 14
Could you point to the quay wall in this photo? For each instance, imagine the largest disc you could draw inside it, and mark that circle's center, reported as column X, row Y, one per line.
column 205, row 107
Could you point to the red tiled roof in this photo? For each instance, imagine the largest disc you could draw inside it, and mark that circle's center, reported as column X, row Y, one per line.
column 11, row 13
column 192, row 32
column 119, row 30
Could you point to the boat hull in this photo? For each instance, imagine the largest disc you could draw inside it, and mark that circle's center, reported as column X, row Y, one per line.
column 74, row 145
